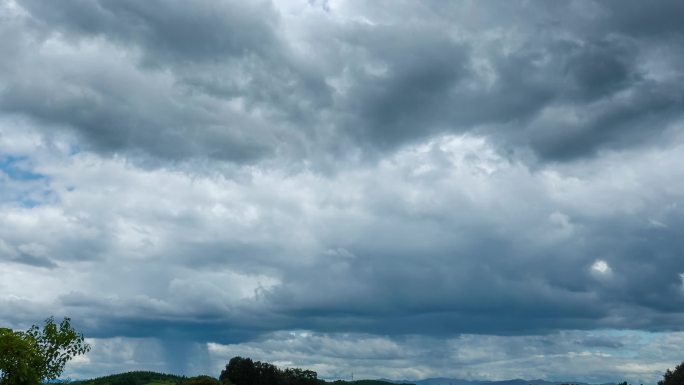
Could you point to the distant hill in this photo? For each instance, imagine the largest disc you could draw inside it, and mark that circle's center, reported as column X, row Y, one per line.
column 456, row 381
column 369, row 382
column 134, row 378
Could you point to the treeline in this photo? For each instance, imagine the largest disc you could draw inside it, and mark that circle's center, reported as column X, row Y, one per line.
column 244, row 371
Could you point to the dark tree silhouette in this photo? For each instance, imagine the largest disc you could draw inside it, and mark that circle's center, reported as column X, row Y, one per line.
column 675, row 377
column 239, row 371
column 201, row 380
column 244, row 371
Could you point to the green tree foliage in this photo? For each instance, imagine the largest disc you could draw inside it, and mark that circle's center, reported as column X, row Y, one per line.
column 296, row 376
column 239, row 371
column 201, row 380
column 244, row 371
column 673, row 377
column 17, row 353
column 37, row 354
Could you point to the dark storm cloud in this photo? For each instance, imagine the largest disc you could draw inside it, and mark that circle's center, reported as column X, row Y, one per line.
column 348, row 85
column 146, row 124
column 175, row 30
column 497, row 290
column 155, row 94
column 429, row 84
column 658, row 19
column 416, row 69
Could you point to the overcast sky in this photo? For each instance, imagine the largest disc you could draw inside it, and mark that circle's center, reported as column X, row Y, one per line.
column 401, row 189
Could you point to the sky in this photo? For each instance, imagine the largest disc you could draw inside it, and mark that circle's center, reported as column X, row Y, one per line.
column 398, row 189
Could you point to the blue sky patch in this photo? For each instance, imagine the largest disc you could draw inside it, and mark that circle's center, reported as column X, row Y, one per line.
column 17, row 168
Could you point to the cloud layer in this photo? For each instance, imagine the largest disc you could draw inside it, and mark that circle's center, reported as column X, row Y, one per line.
column 194, row 179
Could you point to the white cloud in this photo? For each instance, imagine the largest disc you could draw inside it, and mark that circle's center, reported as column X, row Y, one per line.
column 601, row 267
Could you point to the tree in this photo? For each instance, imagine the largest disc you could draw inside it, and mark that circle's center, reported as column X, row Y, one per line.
column 28, row 357
column 201, row 380
column 675, row 377
column 244, row 371
column 239, row 371
column 296, row 376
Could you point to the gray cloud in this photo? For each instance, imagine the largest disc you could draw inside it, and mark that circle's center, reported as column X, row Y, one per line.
column 389, row 251
column 243, row 82
column 178, row 31
column 228, row 173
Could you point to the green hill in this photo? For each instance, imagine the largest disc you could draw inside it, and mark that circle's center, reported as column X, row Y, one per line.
column 134, row 378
